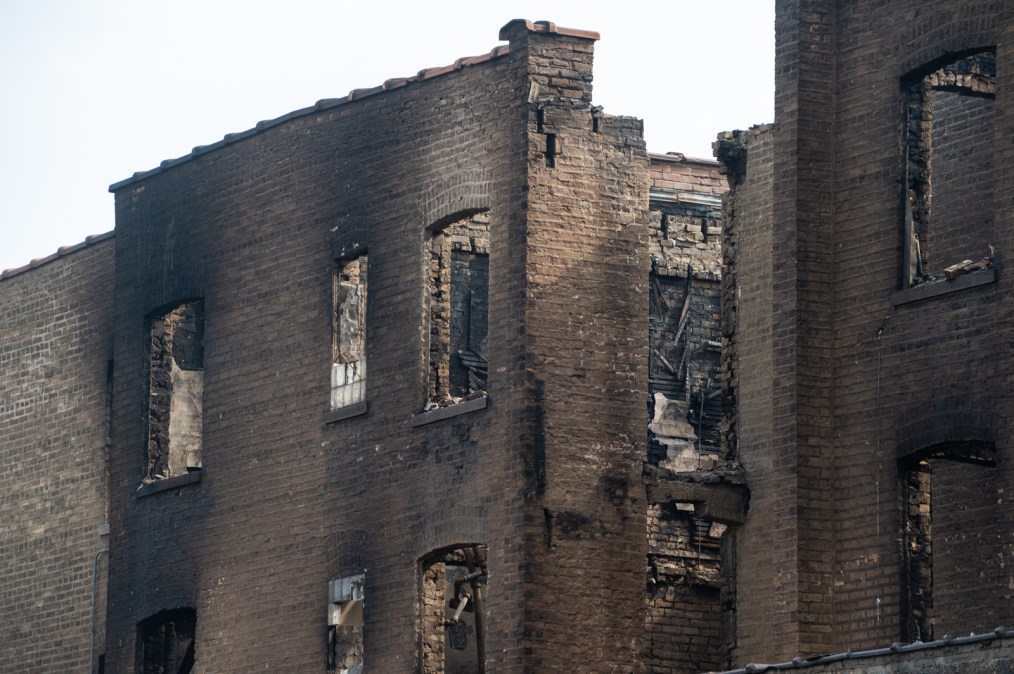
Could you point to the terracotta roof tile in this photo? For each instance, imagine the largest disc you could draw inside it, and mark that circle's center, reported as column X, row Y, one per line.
column 60, row 252
column 327, row 103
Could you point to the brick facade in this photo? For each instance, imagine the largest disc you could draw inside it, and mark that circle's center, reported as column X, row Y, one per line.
column 579, row 357
column 55, row 355
column 867, row 373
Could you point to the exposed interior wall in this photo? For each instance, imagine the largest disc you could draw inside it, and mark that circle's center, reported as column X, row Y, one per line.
column 348, row 332
column 952, row 547
column 175, row 391
column 966, row 548
column 346, row 605
column 690, row 598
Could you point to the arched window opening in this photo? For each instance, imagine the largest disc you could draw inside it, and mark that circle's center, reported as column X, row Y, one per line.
column 949, row 171
column 951, row 542
column 165, row 642
column 452, row 611
column 458, row 282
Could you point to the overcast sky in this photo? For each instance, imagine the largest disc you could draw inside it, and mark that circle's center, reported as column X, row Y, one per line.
column 94, row 90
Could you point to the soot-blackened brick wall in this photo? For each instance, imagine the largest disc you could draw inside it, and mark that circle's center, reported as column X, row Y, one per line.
column 54, row 393
column 543, row 471
column 865, row 372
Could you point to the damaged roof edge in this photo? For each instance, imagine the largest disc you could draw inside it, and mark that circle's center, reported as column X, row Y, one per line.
column 323, row 104
column 63, row 251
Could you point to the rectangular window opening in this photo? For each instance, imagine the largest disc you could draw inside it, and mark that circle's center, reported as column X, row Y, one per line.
column 348, row 330
column 952, row 547
column 346, row 603
column 175, row 391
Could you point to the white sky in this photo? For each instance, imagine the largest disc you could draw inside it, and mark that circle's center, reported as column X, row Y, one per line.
column 94, row 90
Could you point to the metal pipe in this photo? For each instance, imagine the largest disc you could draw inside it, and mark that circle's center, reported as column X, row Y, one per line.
column 480, row 626
column 95, row 592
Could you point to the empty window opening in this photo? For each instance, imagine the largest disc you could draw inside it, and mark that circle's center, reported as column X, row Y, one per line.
column 689, row 605
column 348, row 333
column 175, row 391
column 952, row 545
column 949, row 170
column 684, row 382
column 458, row 307
column 452, row 619
column 346, row 600
column 165, row 642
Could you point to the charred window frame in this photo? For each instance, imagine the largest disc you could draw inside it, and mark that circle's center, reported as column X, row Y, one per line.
column 175, row 392
column 452, row 618
column 345, row 617
column 457, row 269
column 948, row 169
column 348, row 332
column 165, row 642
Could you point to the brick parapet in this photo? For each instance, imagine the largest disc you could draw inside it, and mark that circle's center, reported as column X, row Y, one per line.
column 586, row 367
column 677, row 172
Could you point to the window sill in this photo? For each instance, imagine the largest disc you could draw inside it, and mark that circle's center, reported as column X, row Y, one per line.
column 464, row 407
column 149, row 488
column 347, row 412
column 928, row 290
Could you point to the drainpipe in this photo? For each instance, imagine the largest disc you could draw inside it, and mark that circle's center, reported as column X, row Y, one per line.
column 477, row 605
column 95, row 592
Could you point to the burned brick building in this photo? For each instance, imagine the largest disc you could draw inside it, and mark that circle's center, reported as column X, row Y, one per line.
column 451, row 376
column 400, row 382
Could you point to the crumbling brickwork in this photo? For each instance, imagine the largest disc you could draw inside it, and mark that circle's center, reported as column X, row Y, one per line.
column 684, row 334
column 747, row 380
column 691, row 591
column 685, row 591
